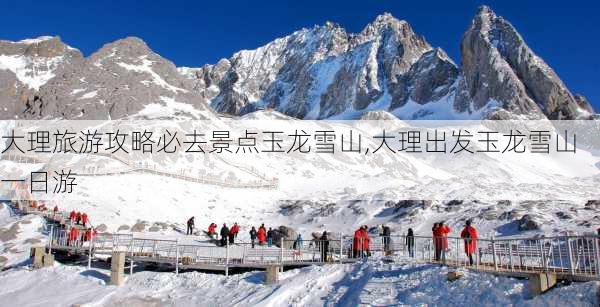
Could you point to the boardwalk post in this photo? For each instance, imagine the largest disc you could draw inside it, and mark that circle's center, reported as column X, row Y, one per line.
column 281, row 253
column 494, row 255
column 89, row 264
column 50, row 239
column 244, row 254
column 177, row 257
column 571, row 264
column 226, row 257
column 117, row 266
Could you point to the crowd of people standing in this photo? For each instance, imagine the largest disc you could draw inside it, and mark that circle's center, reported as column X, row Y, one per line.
column 361, row 242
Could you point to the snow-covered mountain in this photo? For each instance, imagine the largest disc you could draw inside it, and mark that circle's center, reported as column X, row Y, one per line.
column 316, row 73
column 325, row 72
column 47, row 79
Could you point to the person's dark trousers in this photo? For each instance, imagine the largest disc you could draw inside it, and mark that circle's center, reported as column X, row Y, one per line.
column 470, row 259
column 223, row 241
column 386, row 244
column 189, row 229
column 252, row 243
column 231, row 239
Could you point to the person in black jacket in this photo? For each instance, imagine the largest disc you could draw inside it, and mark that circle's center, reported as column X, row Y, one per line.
column 410, row 243
column 324, row 246
column 224, row 234
column 270, row 237
column 190, row 226
column 252, row 235
column 385, row 234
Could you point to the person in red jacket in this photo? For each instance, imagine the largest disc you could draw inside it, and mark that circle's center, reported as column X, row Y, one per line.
column 469, row 234
column 87, row 236
column 84, row 219
column 366, row 240
column 73, row 236
column 212, row 230
column 357, row 243
column 73, row 216
column 235, row 229
column 441, row 233
column 233, row 233
column 78, row 217
column 262, row 235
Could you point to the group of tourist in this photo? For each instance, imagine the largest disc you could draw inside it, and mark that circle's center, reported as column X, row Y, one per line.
column 361, row 242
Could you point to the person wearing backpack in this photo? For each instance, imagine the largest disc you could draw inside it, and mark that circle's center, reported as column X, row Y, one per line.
column 469, row 234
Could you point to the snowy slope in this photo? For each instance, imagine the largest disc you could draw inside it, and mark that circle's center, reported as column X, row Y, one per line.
column 330, row 285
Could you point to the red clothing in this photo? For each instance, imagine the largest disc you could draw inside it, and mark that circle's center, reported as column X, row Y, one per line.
column 470, row 235
column 55, row 209
column 73, row 216
column 88, row 235
column 234, row 230
column 366, row 239
column 78, row 217
column 212, row 228
column 440, row 235
column 262, row 235
column 84, row 218
column 357, row 244
column 73, row 234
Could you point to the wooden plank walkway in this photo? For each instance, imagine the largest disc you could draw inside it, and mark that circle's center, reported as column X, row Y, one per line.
column 573, row 258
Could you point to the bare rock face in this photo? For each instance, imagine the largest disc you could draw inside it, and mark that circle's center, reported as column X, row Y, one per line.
column 44, row 78
column 324, row 71
column 27, row 65
column 122, row 79
column 500, row 69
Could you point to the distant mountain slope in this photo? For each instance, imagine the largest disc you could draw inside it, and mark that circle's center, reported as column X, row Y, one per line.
column 317, row 73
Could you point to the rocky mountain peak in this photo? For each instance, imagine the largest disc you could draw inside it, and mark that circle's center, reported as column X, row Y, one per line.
column 313, row 73
column 500, row 68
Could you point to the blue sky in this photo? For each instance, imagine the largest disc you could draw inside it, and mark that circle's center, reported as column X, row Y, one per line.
column 193, row 33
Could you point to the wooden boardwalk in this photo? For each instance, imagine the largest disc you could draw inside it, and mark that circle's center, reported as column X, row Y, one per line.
column 573, row 258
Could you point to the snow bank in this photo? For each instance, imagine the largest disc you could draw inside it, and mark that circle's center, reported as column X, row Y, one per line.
column 346, row 285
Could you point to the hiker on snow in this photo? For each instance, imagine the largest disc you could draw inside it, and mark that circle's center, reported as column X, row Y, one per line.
column 84, row 219
column 385, row 234
column 469, row 234
column 190, row 226
column 366, row 241
column 357, row 243
column 298, row 242
column 224, row 234
column 253, row 235
column 441, row 237
column 410, row 243
column 262, row 235
column 324, row 246
column 270, row 237
column 73, row 236
column 73, row 216
column 212, row 230
column 233, row 233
